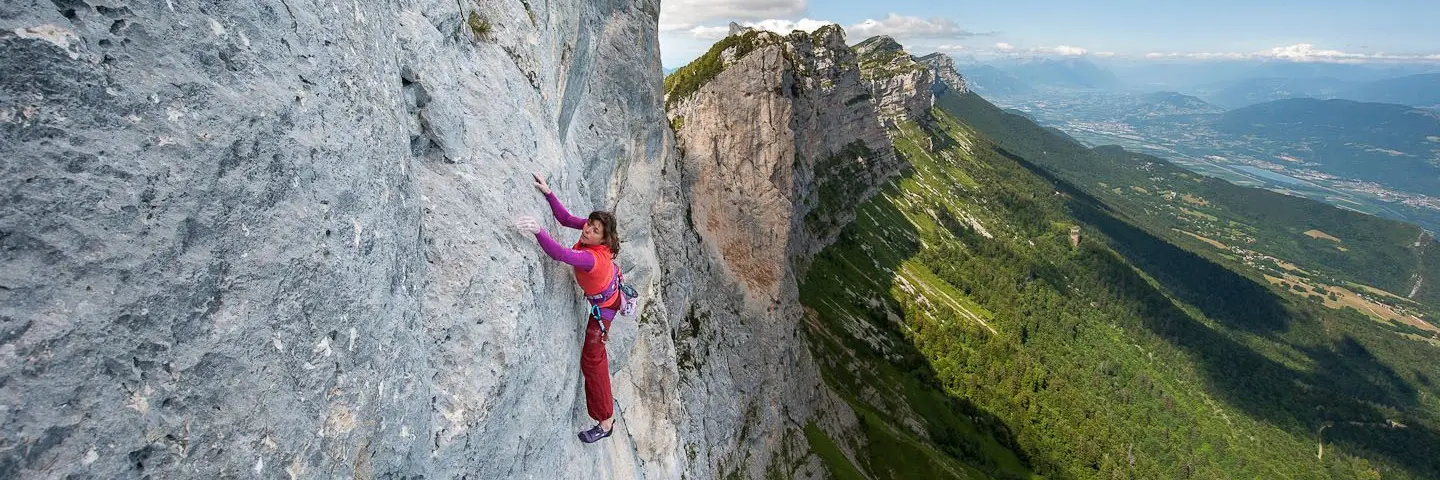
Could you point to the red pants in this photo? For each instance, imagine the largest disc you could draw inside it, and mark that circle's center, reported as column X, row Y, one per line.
column 595, row 366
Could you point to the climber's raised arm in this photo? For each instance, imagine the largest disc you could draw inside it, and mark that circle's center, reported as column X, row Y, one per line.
column 558, row 209
column 576, row 258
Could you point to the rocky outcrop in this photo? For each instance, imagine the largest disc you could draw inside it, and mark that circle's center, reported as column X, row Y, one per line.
column 274, row 239
column 901, row 86
column 947, row 78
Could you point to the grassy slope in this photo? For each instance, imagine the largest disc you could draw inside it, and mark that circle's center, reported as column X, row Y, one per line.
column 1008, row 352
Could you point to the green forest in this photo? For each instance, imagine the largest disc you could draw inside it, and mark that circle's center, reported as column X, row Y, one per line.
column 974, row 336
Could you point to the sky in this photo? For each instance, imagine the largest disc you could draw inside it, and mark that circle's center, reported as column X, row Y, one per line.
column 1379, row 31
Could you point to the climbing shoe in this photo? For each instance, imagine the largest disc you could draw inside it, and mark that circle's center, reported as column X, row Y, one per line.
column 594, row 434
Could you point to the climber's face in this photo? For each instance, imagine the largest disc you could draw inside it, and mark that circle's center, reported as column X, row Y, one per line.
column 593, row 233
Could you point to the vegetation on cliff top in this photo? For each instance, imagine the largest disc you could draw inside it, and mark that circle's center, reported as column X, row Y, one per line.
column 688, row 79
column 882, row 57
column 685, row 81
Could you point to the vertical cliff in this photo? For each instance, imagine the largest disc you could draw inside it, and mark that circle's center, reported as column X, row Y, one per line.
column 770, row 114
column 947, row 79
column 274, row 238
column 753, row 117
column 902, row 86
column 781, row 137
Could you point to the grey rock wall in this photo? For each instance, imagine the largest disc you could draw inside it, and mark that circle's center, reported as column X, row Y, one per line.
column 946, row 77
column 728, row 285
column 900, row 85
column 763, row 149
column 274, row 239
column 753, row 138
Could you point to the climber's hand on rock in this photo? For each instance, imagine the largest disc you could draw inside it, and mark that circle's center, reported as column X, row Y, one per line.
column 540, row 184
column 527, row 224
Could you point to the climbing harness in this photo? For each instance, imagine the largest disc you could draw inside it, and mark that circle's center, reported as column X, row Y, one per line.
column 627, row 300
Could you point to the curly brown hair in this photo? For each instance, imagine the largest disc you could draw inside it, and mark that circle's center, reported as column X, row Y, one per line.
column 611, row 237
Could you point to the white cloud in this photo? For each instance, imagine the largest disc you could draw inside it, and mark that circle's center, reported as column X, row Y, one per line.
column 901, row 26
column 1300, row 52
column 783, row 27
column 1199, row 56
column 951, row 48
column 1306, row 52
column 1009, row 50
column 709, row 33
column 686, row 14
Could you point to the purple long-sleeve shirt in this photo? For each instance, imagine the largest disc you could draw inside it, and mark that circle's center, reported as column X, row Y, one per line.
column 562, row 215
column 576, row 258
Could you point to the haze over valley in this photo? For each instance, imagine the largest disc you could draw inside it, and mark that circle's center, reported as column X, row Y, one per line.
column 1312, row 135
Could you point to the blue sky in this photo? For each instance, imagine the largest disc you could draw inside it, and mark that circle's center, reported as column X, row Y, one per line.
column 1315, row 30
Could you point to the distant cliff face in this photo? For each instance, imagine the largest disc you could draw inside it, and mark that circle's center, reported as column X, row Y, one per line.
column 947, row 79
column 902, row 86
column 781, row 137
column 768, row 197
column 275, row 239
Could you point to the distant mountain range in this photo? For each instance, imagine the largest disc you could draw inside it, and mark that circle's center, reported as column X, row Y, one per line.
column 1414, row 90
column 1386, row 143
column 1188, row 76
column 1251, row 91
column 1224, row 84
column 991, row 81
column 1335, row 119
column 1379, row 158
column 1012, row 77
column 1064, row 73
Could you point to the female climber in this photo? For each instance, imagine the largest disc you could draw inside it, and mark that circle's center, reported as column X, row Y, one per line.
column 593, row 259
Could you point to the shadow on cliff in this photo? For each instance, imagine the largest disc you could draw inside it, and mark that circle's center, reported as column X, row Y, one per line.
column 856, row 330
column 1349, row 391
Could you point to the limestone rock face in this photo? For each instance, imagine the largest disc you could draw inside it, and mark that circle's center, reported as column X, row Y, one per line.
column 270, row 239
column 947, row 78
column 735, row 29
column 751, row 138
column 901, row 86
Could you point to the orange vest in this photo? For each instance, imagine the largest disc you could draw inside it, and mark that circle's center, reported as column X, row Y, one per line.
column 599, row 277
